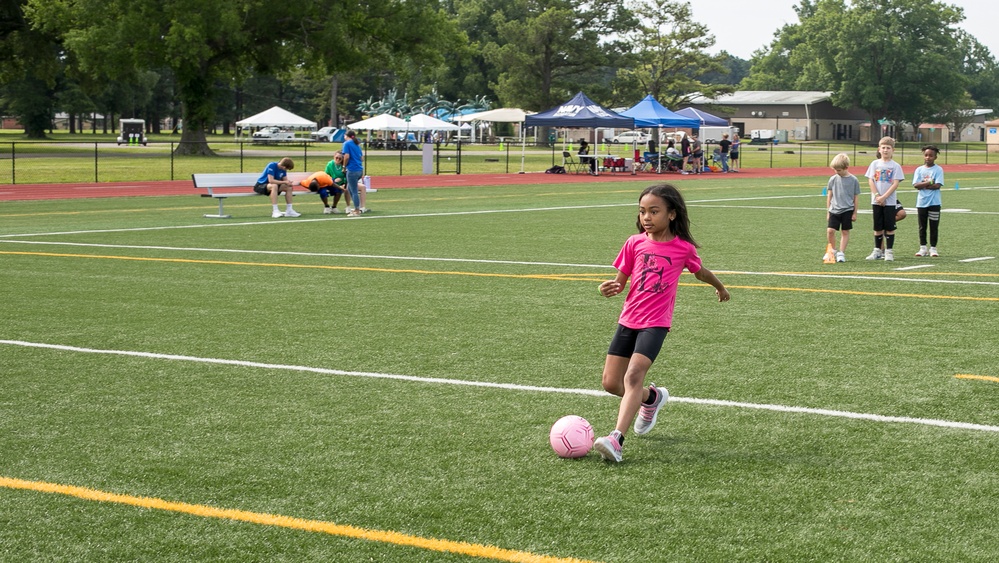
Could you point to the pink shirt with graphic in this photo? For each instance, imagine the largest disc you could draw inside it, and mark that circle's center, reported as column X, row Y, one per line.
column 653, row 268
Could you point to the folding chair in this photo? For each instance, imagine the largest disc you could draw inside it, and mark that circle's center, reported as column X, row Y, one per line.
column 572, row 164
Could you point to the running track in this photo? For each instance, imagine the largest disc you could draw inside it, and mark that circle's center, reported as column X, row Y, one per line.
column 21, row 192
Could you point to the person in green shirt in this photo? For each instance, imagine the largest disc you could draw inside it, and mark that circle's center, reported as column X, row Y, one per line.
column 336, row 171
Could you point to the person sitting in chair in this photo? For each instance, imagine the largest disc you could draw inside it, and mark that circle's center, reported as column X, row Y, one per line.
column 584, row 156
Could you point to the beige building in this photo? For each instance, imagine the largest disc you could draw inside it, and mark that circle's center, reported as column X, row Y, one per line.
column 811, row 116
column 804, row 116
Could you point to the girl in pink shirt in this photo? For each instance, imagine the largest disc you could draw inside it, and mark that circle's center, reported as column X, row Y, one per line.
column 654, row 260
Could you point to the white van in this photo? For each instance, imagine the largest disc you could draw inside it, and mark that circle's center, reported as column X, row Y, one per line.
column 714, row 134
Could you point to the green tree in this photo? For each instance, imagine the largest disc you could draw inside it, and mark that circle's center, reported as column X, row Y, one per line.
column 554, row 50
column 979, row 66
column 670, row 55
column 210, row 43
column 896, row 59
column 29, row 70
column 362, row 49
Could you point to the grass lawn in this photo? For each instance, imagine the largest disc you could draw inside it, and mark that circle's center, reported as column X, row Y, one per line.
column 97, row 158
column 381, row 388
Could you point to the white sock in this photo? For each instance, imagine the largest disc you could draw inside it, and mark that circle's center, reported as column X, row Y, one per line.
column 288, row 208
column 276, row 207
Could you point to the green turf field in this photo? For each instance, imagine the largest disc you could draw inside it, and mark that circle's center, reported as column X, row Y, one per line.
column 178, row 388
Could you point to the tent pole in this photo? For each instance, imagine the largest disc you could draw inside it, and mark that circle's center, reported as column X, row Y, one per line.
column 523, row 147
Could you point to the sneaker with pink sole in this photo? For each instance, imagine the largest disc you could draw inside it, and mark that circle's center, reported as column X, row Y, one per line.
column 609, row 447
column 646, row 419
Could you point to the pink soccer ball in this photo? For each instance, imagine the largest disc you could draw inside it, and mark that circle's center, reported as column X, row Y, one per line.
column 571, row 436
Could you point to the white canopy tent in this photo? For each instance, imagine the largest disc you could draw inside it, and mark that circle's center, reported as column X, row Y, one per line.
column 276, row 117
column 424, row 122
column 498, row 115
column 506, row 115
column 383, row 122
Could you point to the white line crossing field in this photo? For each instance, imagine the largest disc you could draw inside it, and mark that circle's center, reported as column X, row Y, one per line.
column 509, row 386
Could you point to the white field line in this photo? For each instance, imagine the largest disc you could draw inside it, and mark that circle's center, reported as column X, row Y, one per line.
column 510, row 386
column 478, row 261
column 920, row 266
column 978, row 259
column 223, row 224
column 692, row 203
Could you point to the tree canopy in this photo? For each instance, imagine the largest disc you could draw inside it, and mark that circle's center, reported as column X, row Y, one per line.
column 215, row 61
column 208, row 43
column 896, row 59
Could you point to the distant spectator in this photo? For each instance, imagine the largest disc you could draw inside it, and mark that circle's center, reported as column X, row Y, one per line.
column 724, row 145
column 337, row 172
column 585, row 156
column 354, row 164
column 734, row 153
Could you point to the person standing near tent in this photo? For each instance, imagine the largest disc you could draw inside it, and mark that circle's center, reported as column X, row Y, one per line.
column 725, row 145
column 734, row 152
column 354, row 164
column 685, row 151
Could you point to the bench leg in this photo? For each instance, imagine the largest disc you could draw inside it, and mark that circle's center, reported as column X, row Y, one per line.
column 221, row 214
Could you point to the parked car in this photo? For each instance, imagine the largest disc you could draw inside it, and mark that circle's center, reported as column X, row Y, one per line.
column 629, row 137
column 273, row 134
column 325, row 134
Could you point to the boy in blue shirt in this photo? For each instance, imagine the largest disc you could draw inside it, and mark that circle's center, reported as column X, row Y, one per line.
column 928, row 179
column 273, row 181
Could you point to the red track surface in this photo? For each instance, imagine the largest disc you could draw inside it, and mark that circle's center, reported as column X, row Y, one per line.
column 184, row 187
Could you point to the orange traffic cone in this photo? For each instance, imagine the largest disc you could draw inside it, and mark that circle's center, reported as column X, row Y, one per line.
column 830, row 257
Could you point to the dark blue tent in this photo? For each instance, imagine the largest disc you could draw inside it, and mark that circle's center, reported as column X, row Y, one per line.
column 650, row 113
column 579, row 112
column 705, row 118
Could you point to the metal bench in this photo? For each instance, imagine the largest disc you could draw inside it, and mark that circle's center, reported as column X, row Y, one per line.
column 227, row 182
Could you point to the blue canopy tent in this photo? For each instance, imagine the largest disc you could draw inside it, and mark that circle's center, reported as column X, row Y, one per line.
column 579, row 112
column 705, row 118
column 650, row 113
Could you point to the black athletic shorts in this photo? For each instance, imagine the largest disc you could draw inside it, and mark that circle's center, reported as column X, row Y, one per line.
column 261, row 188
column 842, row 220
column 884, row 217
column 645, row 341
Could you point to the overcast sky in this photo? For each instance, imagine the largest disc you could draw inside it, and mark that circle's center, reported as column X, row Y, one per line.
column 743, row 26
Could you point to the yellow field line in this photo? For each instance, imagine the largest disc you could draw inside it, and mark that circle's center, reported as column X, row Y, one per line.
column 555, row 277
column 395, row 538
column 863, row 293
column 300, row 266
column 981, row 377
column 920, row 273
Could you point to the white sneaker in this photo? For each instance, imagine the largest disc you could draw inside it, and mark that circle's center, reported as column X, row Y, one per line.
column 277, row 214
column 608, row 447
column 292, row 213
column 364, row 210
column 840, row 257
column 889, row 255
column 336, row 211
column 647, row 414
column 933, row 252
column 923, row 251
column 327, row 210
column 875, row 255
